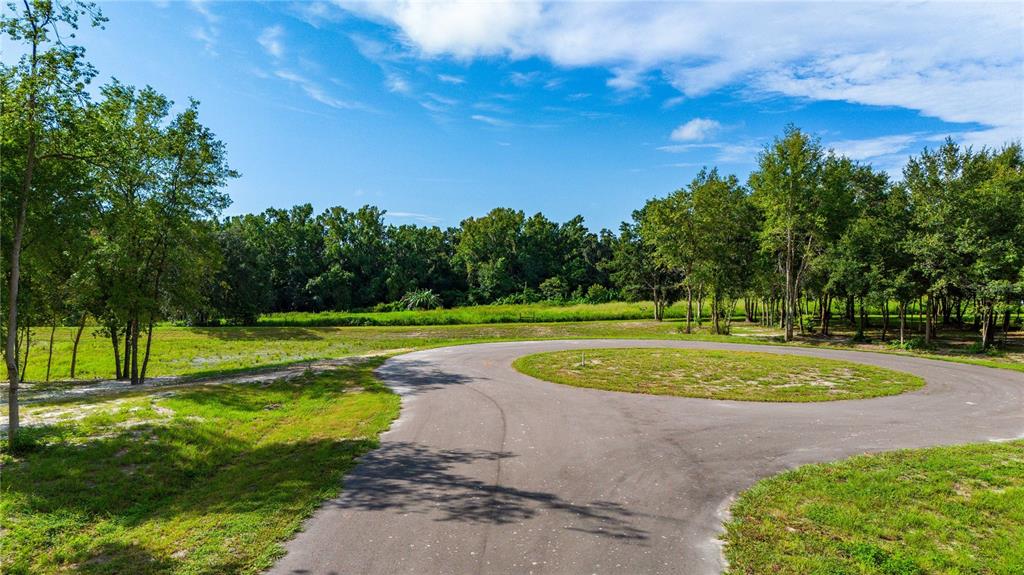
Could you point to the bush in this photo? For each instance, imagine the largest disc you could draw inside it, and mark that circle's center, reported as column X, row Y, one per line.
column 916, row 342
column 597, row 293
column 554, row 289
column 526, row 296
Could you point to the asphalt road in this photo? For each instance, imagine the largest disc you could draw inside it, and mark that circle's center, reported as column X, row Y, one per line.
column 490, row 471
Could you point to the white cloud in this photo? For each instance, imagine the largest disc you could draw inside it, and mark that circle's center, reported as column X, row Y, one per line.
column 202, row 8
column 449, row 79
column 959, row 62
column 523, row 79
column 207, row 35
column 491, row 120
column 396, row 83
column 427, row 218
column 695, row 130
column 317, row 92
column 271, row 41
column 724, row 153
column 870, row 148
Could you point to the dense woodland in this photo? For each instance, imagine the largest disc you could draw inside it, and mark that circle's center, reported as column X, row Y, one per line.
column 112, row 206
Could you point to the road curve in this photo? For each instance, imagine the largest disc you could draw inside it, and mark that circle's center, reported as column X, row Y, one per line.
column 491, row 471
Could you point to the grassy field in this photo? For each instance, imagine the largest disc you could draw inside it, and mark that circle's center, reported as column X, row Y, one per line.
column 205, row 351
column 950, row 510
column 480, row 314
column 191, row 480
column 745, row 376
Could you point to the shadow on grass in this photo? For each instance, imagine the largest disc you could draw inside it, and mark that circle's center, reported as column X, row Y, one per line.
column 257, row 333
column 165, row 499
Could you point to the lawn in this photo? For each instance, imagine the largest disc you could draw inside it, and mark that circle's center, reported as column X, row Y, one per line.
column 200, row 479
column 745, row 376
column 948, row 510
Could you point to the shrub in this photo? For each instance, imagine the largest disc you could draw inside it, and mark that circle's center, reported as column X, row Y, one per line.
column 420, row 299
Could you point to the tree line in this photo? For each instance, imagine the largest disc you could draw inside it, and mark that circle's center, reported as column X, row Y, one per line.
column 810, row 234
column 112, row 205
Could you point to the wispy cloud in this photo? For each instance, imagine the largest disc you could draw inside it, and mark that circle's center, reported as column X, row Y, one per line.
column 491, row 120
column 720, row 152
column 207, row 36
column 426, row 218
column 871, row 148
column 317, row 92
column 695, row 130
column 396, row 83
column 450, row 79
column 209, row 33
column 271, row 40
column 202, row 8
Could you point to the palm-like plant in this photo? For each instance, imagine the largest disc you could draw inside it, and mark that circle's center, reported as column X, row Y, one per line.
column 421, row 299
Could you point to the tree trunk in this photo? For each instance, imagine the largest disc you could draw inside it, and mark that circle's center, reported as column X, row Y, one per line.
column 28, row 347
column 689, row 307
column 826, row 313
column 790, row 307
column 149, row 342
column 863, row 323
column 74, row 348
column 928, row 322
column 987, row 325
column 13, row 283
column 715, row 312
column 135, row 351
column 903, row 320
column 49, row 354
column 126, row 366
column 117, row 352
column 885, row 318
column 700, row 305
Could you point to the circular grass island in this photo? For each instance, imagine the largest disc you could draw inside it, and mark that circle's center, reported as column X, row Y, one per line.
column 716, row 374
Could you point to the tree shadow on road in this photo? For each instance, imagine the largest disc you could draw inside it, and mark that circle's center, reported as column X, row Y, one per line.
column 409, row 478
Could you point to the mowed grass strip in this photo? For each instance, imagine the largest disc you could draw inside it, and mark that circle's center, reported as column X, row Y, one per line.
column 202, row 479
column 947, row 510
column 712, row 374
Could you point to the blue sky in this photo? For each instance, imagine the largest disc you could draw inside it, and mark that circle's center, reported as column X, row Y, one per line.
column 438, row 112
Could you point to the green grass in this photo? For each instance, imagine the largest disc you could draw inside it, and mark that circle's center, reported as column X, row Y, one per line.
column 746, row 376
column 195, row 480
column 206, row 351
column 480, row 314
column 949, row 510
column 210, row 351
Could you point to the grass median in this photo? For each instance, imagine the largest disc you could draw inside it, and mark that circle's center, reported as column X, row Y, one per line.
column 713, row 374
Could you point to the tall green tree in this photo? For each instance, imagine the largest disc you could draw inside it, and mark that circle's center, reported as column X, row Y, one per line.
column 160, row 179
column 787, row 187
column 43, row 93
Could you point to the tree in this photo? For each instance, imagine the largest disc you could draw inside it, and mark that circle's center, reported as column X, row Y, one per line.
column 488, row 250
column 42, row 97
column 724, row 224
column 940, row 184
column 669, row 228
column 160, row 185
column 787, row 188
column 637, row 271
